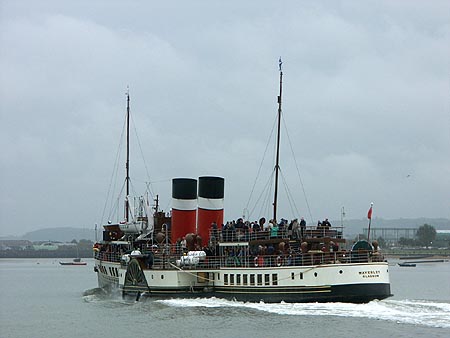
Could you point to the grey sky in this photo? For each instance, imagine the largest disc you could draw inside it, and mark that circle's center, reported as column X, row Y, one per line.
column 366, row 103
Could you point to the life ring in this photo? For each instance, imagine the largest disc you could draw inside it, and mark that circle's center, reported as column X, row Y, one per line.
column 259, row 261
column 279, row 261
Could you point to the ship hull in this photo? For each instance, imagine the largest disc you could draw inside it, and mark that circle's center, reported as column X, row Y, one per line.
column 352, row 283
column 107, row 274
column 352, row 293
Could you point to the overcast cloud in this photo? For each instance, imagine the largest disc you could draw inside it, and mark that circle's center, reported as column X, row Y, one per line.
column 365, row 101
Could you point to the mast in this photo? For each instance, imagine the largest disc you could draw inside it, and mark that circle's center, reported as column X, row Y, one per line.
column 127, row 206
column 277, row 163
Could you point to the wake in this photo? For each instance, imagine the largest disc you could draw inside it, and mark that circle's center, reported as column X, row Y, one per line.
column 425, row 313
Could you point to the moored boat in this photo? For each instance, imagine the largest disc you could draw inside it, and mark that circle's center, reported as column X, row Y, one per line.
column 75, row 261
column 189, row 253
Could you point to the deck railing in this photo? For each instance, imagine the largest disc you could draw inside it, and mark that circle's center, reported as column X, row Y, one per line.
column 163, row 261
column 246, row 235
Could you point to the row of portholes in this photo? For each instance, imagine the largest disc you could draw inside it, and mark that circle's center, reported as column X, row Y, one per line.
column 252, row 278
column 162, row 276
column 340, row 272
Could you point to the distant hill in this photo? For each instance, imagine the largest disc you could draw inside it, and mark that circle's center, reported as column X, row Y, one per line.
column 356, row 226
column 60, row 234
column 352, row 227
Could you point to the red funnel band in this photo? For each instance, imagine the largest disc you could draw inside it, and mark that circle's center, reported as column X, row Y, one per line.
column 205, row 219
column 183, row 222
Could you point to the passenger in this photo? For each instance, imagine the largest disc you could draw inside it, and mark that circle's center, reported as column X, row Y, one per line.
column 302, row 227
column 326, row 224
column 214, row 232
column 295, row 229
column 225, row 232
column 184, row 245
column 256, row 229
column 232, row 231
column 289, row 230
column 319, row 233
column 239, row 224
column 282, row 228
column 274, row 231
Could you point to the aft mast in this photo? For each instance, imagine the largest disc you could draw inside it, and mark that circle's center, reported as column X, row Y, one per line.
column 277, row 163
column 127, row 205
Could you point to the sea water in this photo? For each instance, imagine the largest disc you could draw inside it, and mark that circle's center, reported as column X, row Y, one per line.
column 41, row 298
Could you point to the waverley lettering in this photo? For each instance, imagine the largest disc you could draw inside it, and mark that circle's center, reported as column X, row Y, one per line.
column 370, row 274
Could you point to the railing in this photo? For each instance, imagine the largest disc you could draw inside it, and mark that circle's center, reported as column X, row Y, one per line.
column 245, row 235
column 108, row 256
column 162, row 261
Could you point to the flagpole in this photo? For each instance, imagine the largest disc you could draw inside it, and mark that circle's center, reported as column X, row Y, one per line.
column 369, row 216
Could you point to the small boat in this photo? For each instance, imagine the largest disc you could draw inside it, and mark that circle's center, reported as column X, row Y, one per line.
column 76, row 261
column 410, row 265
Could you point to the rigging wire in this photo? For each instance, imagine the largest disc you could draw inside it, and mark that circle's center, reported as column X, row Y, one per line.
column 260, row 166
column 267, row 202
column 143, row 158
column 289, row 195
column 114, row 174
column 114, row 211
column 265, row 189
column 298, row 171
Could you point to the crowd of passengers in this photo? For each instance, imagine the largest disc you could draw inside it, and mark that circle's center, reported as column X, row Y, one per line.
column 241, row 230
column 271, row 254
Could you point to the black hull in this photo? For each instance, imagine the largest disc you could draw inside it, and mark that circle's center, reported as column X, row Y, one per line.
column 356, row 293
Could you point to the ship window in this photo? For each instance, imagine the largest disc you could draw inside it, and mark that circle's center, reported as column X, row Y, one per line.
column 292, row 275
column 244, row 279
column 301, row 275
column 152, row 276
column 162, row 276
column 266, row 279
column 315, row 274
column 231, row 279
column 341, row 272
column 225, row 279
column 218, row 276
column 275, row 279
column 238, row 279
column 259, row 279
column 252, row 279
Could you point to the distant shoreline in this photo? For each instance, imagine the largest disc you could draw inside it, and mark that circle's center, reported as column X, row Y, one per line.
column 46, row 254
column 87, row 253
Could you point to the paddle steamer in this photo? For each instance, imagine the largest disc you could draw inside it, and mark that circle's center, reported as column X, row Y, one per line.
column 187, row 253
